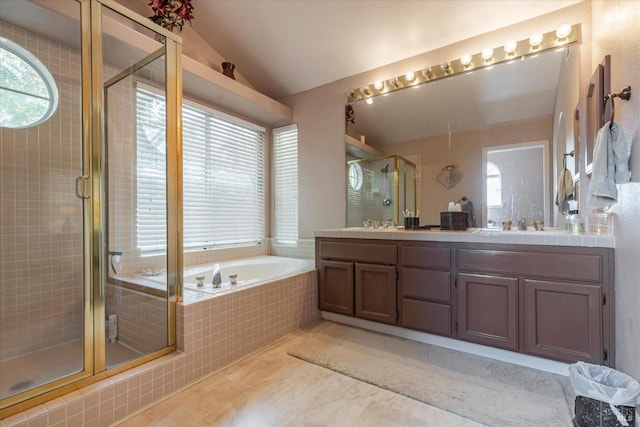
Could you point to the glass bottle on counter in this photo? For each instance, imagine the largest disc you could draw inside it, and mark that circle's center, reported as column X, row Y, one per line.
column 600, row 222
column 576, row 225
column 568, row 221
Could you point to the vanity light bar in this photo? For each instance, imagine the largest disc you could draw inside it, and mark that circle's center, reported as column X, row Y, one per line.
column 527, row 47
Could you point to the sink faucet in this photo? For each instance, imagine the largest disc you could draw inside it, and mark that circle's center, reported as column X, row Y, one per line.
column 217, row 277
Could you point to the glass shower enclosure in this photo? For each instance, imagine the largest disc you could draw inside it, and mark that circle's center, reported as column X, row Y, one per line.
column 79, row 192
column 380, row 189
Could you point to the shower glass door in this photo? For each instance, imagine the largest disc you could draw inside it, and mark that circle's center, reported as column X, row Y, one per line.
column 42, row 262
column 135, row 276
column 90, row 248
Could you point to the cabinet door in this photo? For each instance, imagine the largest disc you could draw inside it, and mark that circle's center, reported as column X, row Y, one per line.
column 488, row 310
column 376, row 292
column 563, row 321
column 335, row 286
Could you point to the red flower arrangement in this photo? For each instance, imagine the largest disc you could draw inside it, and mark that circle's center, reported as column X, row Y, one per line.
column 350, row 114
column 171, row 13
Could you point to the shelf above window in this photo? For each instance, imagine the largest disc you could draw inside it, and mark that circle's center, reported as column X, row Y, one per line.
column 359, row 150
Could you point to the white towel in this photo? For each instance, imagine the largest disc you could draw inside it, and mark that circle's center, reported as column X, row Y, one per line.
column 610, row 166
column 566, row 191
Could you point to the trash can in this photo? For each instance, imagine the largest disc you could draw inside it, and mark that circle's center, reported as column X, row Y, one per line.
column 604, row 397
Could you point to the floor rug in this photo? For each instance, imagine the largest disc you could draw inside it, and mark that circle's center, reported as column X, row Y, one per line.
column 490, row 392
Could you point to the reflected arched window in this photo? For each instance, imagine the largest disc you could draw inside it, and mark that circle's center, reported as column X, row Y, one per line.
column 494, row 185
column 28, row 93
column 355, row 176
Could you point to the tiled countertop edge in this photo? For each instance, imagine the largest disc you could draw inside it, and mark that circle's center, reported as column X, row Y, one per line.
column 553, row 238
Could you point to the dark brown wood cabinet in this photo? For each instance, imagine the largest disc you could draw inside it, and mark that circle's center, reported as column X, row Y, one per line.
column 336, row 292
column 375, row 296
column 358, row 279
column 425, row 288
column 563, row 321
column 554, row 302
column 488, row 310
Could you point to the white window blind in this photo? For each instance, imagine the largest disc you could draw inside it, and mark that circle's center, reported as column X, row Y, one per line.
column 223, row 180
column 285, row 171
column 151, row 183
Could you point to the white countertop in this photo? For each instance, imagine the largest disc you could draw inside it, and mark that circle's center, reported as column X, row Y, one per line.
column 530, row 237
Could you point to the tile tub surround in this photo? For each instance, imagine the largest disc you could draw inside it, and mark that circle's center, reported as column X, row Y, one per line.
column 548, row 237
column 212, row 333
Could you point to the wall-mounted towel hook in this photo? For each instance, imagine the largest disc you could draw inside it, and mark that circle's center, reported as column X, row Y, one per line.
column 624, row 94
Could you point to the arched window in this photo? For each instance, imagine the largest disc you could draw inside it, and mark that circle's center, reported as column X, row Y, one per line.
column 28, row 93
column 494, row 185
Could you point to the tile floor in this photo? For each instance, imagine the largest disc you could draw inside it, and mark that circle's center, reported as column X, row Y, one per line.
column 271, row 388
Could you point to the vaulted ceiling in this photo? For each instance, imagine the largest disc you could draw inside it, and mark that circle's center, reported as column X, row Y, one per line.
column 288, row 46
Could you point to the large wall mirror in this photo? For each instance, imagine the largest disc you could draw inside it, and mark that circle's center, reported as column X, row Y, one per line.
column 455, row 121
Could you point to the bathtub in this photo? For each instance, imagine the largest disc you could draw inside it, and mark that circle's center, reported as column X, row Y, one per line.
column 250, row 271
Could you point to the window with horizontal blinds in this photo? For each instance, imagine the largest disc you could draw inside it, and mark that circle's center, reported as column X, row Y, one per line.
column 151, row 181
column 223, row 179
column 285, row 171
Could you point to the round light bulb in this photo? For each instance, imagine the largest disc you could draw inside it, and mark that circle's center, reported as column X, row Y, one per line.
column 410, row 76
column 563, row 31
column 487, row 53
column 465, row 59
column 369, row 101
column 535, row 40
column 510, row 46
column 445, row 67
column 378, row 85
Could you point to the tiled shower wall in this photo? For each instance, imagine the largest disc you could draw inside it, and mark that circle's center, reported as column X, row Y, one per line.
column 41, row 279
column 142, row 318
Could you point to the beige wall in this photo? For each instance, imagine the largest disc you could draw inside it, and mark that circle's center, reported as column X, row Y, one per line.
column 466, row 153
column 193, row 46
column 618, row 35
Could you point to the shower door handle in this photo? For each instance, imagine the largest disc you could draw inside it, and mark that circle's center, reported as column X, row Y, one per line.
column 80, row 187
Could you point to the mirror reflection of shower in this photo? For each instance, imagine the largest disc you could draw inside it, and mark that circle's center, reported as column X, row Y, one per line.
column 379, row 189
column 387, row 200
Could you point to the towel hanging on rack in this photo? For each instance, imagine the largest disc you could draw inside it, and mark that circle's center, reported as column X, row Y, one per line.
column 566, row 191
column 610, row 166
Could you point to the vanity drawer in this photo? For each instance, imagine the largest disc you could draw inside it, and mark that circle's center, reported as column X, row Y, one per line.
column 580, row 267
column 426, row 316
column 425, row 256
column 359, row 252
column 430, row 285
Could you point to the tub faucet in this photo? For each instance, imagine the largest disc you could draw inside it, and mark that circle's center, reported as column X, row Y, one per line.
column 217, row 277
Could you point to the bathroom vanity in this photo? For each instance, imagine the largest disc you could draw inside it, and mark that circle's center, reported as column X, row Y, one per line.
column 547, row 294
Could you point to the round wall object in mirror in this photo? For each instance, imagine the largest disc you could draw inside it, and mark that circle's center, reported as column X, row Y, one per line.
column 355, row 176
column 28, row 92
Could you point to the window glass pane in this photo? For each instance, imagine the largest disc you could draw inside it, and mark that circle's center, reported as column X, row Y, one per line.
column 28, row 93
column 18, row 110
column 494, row 185
column 151, row 221
column 285, row 170
column 223, row 176
column 18, row 75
